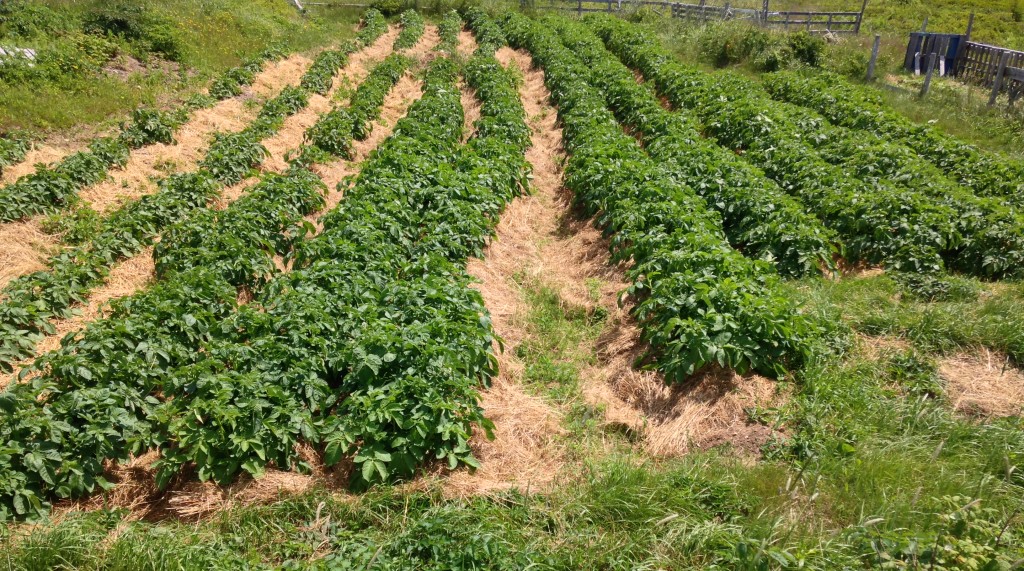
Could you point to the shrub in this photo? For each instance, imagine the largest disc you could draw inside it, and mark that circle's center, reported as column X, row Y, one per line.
column 135, row 24
column 389, row 7
column 20, row 19
column 807, row 48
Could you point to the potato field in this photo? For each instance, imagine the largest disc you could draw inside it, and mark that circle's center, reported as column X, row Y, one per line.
column 488, row 251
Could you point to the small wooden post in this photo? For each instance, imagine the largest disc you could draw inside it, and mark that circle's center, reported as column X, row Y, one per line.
column 924, row 26
column 874, row 57
column 928, row 76
column 970, row 26
column 764, row 11
column 579, row 7
column 943, row 48
column 999, row 78
column 860, row 17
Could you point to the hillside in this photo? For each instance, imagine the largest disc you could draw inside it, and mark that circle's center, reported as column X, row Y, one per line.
column 96, row 60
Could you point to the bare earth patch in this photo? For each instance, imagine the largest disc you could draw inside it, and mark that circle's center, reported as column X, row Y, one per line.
column 983, row 385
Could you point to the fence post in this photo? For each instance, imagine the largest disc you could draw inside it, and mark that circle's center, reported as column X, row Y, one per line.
column 874, row 57
column 928, row 76
column 924, row 26
column 998, row 83
column 765, row 11
column 961, row 48
column 860, row 17
column 579, row 7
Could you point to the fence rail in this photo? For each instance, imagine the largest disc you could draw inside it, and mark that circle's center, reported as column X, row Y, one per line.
column 814, row 22
column 994, row 67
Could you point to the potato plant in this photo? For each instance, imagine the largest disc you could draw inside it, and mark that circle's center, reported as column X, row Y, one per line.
column 699, row 301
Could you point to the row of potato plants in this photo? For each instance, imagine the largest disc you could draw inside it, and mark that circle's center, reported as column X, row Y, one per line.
column 877, row 224
column 987, row 173
column 32, row 301
column 758, row 217
column 991, row 231
column 50, row 188
column 413, row 26
column 489, row 35
column 985, row 235
column 105, row 394
column 699, row 301
column 13, row 149
column 448, row 30
column 335, row 132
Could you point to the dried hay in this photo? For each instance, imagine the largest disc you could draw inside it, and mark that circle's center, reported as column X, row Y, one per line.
column 24, row 248
column 278, row 75
column 40, row 153
column 471, row 110
column 983, row 385
column 467, row 44
column 124, row 279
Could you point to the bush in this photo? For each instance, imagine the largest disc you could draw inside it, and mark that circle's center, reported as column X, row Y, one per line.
column 135, row 24
column 20, row 19
column 807, row 48
column 389, row 7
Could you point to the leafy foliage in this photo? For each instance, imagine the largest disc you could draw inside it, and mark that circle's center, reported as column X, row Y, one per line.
column 336, row 130
column 758, row 217
column 448, row 29
column 877, row 224
column 12, row 150
column 987, row 173
column 412, row 29
column 50, row 189
column 373, row 353
column 700, row 301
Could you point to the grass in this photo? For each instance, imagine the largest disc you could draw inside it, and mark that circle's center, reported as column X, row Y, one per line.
column 69, row 88
column 955, row 108
column 869, row 471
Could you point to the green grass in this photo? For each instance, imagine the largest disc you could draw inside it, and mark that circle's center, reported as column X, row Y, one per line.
column 876, row 306
column 68, row 89
column 955, row 108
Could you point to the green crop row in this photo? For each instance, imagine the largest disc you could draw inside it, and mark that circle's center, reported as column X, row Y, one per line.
column 31, row 301
column 374, row 26
column 12, row 150
column 988, row 174
column 335, row 132
column 489, row 36
column 183, row 367
column 758, row 217
column 413, row 27
column 448, row 29
column 990, row 232
column 94, row 398
column 877, row 224
column 699, row 301
column 51, row 188
column 976, row 235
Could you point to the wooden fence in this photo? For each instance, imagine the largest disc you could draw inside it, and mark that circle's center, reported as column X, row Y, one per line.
column 999, row 69
column 703, row 11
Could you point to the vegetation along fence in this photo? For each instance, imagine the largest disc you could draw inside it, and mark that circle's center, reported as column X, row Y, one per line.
column 994, row 67
column 703, row 11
